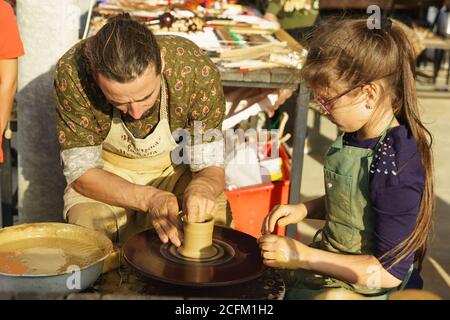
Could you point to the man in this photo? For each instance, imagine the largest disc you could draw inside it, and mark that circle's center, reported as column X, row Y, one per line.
column 120, row 94
column 11, row 48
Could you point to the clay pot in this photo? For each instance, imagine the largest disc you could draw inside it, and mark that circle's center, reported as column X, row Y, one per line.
column 197, row 241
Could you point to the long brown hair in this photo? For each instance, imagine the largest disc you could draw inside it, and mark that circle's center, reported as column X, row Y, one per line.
column 346, row 51
column 122, row 49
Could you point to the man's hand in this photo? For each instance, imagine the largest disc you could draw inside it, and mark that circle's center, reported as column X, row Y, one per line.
column 199, row 204
column 163, row 209
column 199, row 200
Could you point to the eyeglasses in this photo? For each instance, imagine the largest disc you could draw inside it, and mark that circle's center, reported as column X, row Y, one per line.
column 325, row 104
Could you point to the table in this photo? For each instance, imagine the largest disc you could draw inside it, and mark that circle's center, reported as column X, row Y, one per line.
column 442, row 46
column 124, row 283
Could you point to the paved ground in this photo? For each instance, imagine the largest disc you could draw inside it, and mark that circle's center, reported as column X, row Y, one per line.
column 436, row 114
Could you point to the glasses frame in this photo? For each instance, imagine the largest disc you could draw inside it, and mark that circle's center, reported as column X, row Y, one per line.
column 324, row 104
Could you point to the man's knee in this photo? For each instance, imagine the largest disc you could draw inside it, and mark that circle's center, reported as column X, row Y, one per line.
column 97, row 216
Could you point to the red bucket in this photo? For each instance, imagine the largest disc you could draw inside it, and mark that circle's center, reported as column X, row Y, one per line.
column 250, row 205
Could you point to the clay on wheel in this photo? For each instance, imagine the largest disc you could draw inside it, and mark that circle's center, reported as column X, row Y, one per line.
column 197, row 241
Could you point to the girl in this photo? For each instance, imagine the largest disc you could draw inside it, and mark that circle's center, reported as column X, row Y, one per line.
column 378, row 200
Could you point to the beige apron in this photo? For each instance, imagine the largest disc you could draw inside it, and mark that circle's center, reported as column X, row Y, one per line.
column 141, row 161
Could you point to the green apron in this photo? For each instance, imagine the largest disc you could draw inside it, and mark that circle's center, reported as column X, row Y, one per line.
column 349, row 226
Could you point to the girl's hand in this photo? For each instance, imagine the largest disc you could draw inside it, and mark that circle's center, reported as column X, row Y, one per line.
column 284, row 252
column 283, row 215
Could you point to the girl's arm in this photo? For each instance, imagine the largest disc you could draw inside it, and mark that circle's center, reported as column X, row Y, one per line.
column 358, row 269
column 285, row 252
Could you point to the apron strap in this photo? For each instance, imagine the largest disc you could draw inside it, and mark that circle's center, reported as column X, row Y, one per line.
column 163, row 108
column 339, row 143
column 317, row 234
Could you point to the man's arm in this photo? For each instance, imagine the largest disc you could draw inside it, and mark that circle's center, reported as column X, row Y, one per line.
column 109, row 188
column 212, row 178
column 8, row 86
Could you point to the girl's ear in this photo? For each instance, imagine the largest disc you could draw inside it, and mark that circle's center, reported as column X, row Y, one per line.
column 373, row 93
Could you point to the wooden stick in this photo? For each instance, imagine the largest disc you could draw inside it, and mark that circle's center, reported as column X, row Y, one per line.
column 283, row 121
column 285, row 138
column 252, row 52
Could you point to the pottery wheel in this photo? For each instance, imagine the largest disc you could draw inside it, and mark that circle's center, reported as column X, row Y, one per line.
column 238, row 259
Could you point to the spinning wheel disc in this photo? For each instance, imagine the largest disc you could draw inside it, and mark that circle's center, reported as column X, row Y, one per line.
column 237, row 260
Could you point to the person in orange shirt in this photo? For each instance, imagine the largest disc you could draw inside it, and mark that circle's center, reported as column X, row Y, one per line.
column 11, row 48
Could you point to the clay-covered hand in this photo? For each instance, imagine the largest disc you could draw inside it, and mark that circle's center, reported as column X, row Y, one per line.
column 199, row 204
column 282, row 215
column 283, row 252
column 163, row 208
